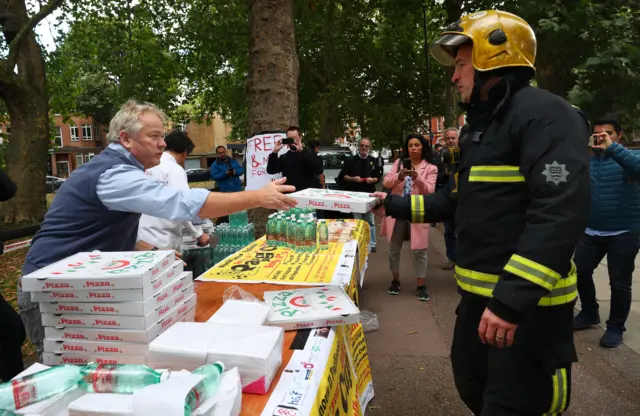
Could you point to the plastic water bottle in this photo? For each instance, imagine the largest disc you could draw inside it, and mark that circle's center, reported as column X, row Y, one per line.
column 24, row 391
column 300, row 241
column 206, row 388
column 278, row 227
column 271, row 230
column 310, row 235
column 323, row 236
column 7, row 413
column 291, row 232
column 122, row 379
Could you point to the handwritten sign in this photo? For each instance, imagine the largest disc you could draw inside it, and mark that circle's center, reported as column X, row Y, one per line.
column 259, row 147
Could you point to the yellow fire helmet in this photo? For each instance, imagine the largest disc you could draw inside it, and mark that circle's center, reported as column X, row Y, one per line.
column 500, row 40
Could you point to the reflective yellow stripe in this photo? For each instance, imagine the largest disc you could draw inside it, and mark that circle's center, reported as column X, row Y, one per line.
column 455, row 178
column 495, row 174
column 560, row 392
column 563, row 292
column 532, row 271
column 417, row 209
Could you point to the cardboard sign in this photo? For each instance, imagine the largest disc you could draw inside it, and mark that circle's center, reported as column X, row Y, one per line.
column 259, row 147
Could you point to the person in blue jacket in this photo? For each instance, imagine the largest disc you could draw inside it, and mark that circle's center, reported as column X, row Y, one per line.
column 613, row 229
column 226, row 172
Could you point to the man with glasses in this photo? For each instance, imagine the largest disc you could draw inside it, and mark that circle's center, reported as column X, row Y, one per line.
column 361, row 174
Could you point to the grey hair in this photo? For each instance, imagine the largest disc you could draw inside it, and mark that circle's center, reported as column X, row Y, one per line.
column 127, row 119
column 364, row 138
column 451, row 129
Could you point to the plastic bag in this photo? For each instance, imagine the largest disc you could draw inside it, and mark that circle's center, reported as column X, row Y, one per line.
column 237, row 293
column 369, row 321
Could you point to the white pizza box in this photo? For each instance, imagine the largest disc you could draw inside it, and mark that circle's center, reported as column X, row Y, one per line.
column 315, row 307
column 53, row 406
column 100, row 348
column 255, row 350
column 122, row 335
column 101, row 270
column 172, row 281
column 141, row 308
column 332, row 200
column 114, row 321
column 241, row 312
column 50, row 358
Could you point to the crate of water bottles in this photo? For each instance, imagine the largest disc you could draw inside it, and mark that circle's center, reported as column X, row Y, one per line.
column 234, row 236
column 297, row 229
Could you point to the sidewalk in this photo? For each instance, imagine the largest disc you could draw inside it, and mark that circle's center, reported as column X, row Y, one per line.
column 410, row 353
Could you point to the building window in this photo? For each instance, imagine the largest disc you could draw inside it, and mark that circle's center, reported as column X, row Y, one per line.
column 87, row 133
column 58, row 133
column 74, row 134
column 440, row 123
column 79, row 160
column 88, row 157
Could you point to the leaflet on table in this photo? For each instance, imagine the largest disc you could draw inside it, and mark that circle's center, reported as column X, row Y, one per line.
column 310, row 308
column 99, row 348
column 144, row 336
column 117, row 321
column 300, row 381
column 172, row 276
column 332, row 200
column 255, row 350
column 102, row 270
column 141, row 308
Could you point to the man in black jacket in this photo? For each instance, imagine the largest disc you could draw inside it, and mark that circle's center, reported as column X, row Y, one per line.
column 520, row 198
column 300, row 166
column 12, row 332
column 361, row 173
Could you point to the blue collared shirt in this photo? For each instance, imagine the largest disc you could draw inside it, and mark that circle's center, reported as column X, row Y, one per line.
column 127, row 188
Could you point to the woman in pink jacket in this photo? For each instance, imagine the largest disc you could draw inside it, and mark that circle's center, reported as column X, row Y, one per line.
column 419, row 180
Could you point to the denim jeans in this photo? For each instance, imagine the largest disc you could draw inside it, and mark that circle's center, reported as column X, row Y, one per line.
column 450, row 239
column 12, row 336
column 370, row 219
column 30, row 314
column 621, row 251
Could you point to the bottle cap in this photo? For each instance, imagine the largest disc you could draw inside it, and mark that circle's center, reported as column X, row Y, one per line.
column 165, row 375
column 220, row 366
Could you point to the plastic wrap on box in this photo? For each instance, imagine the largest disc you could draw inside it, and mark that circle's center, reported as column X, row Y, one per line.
column 255, row 350
column 54, row 406
column 238, row 312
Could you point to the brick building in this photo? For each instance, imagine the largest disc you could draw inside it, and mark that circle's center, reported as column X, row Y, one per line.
column 75, row 144
column 206, row 136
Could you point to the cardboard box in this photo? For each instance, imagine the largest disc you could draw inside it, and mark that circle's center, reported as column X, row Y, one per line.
column 311, row 308
column 116, row 321
column 101, row 271
column 141, row 308
column 168, row 277
column 330, row 200
column 122, row 335
column 50, row 358
column 99, row 348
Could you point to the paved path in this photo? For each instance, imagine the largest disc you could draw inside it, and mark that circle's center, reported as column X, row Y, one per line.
column 410, row 353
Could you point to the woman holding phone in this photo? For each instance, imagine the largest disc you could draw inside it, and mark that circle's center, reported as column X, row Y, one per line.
column 412, row 175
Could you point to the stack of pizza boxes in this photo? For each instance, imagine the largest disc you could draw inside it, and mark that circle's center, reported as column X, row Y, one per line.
column 107, row 307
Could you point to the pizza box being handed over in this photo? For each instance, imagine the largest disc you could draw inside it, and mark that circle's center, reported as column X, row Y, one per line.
column 330, row 200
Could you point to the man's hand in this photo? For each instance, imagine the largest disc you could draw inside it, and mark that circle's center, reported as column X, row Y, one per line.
column 277, row 147
column 204, row 240
column 357, row 179
column 371, row 180
column 272, row 196
column 496, row 331
column 604, row 141
column 380, row 195
column 230, row 172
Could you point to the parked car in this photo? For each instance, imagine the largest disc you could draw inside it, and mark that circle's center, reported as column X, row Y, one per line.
column 198, row 175
column 52, row 184
column 333, row 158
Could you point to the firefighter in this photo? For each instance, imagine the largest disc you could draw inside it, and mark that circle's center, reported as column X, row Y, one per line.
column 520, row 198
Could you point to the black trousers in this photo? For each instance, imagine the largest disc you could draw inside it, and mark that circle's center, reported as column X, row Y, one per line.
column 12, row 335
column 532, row 377
column 621, row 251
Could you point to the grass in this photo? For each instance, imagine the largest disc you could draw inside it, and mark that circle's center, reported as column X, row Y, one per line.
column 11, row 264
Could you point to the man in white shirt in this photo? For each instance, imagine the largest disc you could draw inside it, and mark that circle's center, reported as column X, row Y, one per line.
column 159, row 233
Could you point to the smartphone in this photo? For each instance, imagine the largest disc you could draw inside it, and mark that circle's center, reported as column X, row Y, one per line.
column 288, row 140
column 593, row 140
column 406, row 164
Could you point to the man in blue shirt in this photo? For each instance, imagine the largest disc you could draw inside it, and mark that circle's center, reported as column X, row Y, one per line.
column 613, row 229
column 99, row 206
column 226, row 172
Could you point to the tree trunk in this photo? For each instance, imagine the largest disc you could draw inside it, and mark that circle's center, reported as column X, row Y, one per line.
column 24, row 92
column 451, row 110
column 274, row 68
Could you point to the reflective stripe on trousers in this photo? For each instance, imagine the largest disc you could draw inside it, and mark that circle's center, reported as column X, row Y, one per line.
column 565, row 291
column 560, row 393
